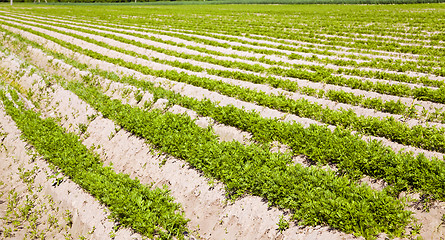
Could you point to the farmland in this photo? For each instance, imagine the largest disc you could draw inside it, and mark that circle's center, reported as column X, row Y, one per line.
column 222, row 121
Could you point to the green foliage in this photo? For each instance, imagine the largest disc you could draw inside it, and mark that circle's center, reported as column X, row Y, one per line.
column 282, row 224
column 82, row 128
column 352, row 155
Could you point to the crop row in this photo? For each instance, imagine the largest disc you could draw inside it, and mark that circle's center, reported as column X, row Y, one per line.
column 307, row 29
column 316, row 55
column 361, row 147
column 339, row 70
column 351, row 155
column 216, row 42
column 314, row 195
column 315, row 74
column 306, row 32
column 395, row 107
column 254, row 169
column 256, row 38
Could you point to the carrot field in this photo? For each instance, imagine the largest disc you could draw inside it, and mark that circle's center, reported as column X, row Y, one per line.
column 222, row 121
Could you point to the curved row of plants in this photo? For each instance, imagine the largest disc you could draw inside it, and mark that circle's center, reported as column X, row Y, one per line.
column 253, row 169
column 383, row 22
column 421, row 65
column 244, row 169
column 346, row 60
column 316, row 74
column 282, row 45
column 394, row 107
column 349, row 71
column 352, row 155
column 307, row 34
column 309, row 28
column 365, row 73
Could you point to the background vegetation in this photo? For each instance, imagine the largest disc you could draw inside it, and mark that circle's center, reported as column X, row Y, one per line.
column 195, row 2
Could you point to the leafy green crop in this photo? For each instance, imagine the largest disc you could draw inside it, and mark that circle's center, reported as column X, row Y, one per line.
column 267, row 130
column 353, row 155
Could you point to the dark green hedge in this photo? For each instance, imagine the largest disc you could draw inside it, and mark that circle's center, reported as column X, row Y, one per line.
column 179, row 2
